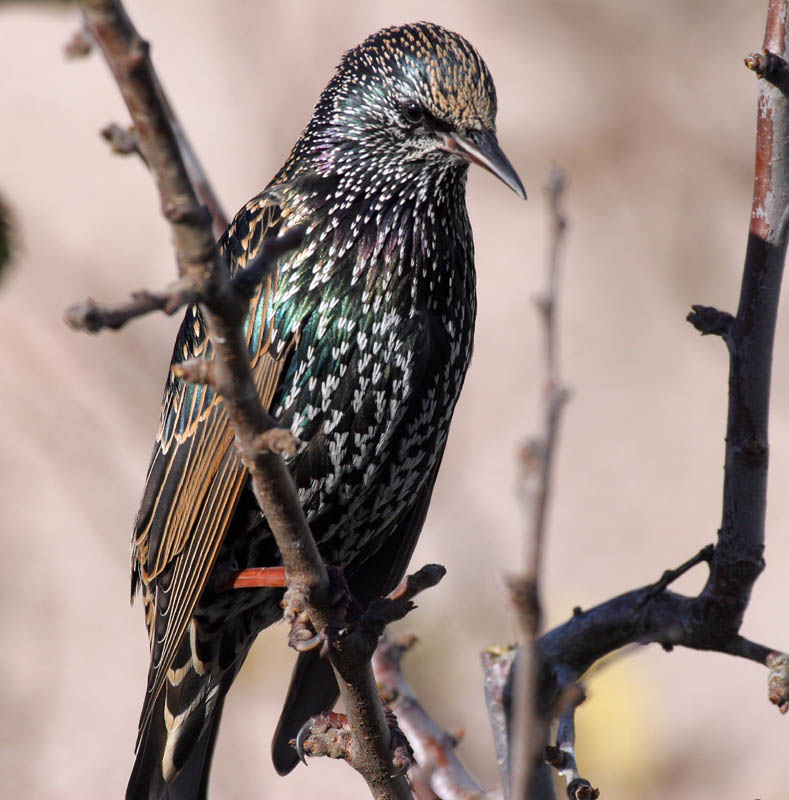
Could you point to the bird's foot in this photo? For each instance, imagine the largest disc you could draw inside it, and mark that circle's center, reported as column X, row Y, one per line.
column 303, row 635
column 329, row 734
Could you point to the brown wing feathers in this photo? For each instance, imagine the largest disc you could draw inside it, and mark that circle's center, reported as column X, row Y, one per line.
column 195, row 478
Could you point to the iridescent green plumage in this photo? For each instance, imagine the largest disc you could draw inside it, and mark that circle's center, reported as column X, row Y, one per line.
column 360, row 342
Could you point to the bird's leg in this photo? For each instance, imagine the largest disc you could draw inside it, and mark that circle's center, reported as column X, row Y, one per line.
column 329, row 734
column 256, row 578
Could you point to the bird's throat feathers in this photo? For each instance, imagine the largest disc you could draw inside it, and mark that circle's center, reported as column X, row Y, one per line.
column 387, row 235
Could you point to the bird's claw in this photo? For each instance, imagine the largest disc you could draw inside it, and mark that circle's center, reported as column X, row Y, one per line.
column 329, row 734
column 303, row 637
column 301, row 737
column 302, row 633
column 401, row 762
column 402, row 753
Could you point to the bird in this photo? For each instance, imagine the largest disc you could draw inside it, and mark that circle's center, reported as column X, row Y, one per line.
column 359, row 341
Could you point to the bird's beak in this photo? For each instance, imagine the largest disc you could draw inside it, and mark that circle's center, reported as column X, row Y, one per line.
column 481, row 147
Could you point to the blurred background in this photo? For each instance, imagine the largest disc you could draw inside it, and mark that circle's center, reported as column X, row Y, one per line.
column 650, row 110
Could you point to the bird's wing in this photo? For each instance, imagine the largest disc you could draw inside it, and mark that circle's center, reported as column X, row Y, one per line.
column 195, row 476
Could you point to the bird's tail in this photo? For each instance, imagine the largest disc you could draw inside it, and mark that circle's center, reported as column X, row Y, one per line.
column 312, row 690
column 178, row 735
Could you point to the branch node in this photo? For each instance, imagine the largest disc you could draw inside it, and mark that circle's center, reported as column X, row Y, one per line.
column 670, row 575
column 79, row 45
column 778, row 680
column 769, row 66
column 122, row 141
column 708, row 320
column 180, row 210
column 139, row 53
column 277, row 440
column 753, row 450
column 399, row 603
column 581, row 789
column 85, row 316
column 556, row 757
column 195, row 370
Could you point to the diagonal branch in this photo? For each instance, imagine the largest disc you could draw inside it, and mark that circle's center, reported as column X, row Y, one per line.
column 201, row 266
column 437, row 763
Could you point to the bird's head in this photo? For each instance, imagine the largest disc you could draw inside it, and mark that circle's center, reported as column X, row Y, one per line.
column 410, row 100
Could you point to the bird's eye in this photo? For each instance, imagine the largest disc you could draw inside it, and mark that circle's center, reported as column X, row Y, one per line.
column 412, row 111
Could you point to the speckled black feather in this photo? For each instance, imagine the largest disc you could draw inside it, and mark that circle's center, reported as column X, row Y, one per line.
column 360, row 343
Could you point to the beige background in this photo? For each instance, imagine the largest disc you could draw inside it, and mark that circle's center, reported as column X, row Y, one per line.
column 650, row 110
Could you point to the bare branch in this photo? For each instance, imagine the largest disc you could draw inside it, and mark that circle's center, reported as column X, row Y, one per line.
column 164, row 148
column 92, row 317
column 496, row 667
column 399, row 602
column 738, row 561
column 562, row 757
column 530, row 726
column 712, row 620
column 437, row 763
column 108, row 25
column 641, row 616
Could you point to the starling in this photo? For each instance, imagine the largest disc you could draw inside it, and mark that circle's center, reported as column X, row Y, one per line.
column 359, row 342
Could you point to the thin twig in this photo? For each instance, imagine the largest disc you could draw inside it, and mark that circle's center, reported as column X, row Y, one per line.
column 93, row 317
column 562, row 757
column 537, row 462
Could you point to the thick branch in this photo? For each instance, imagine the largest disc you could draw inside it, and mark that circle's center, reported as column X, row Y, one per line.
column 641, row 616
column 200, row 263
column 738, row 555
